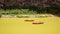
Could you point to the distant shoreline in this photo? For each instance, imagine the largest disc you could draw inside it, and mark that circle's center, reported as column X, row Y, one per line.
column 27, row 16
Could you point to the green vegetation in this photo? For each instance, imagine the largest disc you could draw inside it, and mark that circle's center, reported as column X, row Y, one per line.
column 16, row 11
column 30, row 7
column 52, row 9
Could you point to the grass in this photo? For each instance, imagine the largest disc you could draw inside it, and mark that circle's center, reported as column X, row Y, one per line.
column 13, row 12
column 19, row 26
column 17, row 11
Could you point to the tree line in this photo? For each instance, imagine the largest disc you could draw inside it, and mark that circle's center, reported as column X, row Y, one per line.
column 41, row 6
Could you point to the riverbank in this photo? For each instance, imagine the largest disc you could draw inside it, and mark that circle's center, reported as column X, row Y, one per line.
column 28, row 16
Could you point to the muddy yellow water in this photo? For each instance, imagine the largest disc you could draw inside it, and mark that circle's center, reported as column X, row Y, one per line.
column 19, row 26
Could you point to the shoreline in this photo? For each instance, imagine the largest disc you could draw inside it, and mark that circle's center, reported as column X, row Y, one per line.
column 27, row 16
